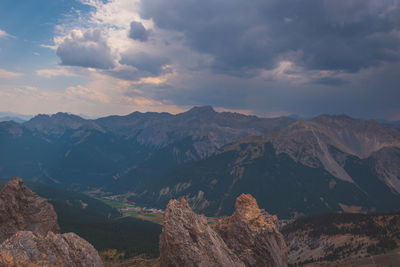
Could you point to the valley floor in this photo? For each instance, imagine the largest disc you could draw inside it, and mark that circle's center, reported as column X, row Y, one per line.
column 129, row 209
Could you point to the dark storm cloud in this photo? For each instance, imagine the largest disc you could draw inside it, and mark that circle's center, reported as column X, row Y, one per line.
column 330, row 81
column 138, row 32
column 145, row 62
column 127, row 73
column 244, row 36
column 89, row 50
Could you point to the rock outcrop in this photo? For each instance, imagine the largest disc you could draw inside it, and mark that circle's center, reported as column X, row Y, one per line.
column 249, row 237
column 188, row 240
column 26, row 248
column 27, row 238
column 253, row 235
column 21, row 209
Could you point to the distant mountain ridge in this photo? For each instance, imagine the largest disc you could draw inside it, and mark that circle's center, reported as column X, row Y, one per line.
column 77, row 153
column 328, row 163
column 59, row 123
column 12, row 116
column 15, row 119
column 210, row 128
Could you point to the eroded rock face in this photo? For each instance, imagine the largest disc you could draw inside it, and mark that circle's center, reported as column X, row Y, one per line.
column 27, row 238
column 249, row 237
column 187, row 240
column 29, row 249
column 253, row 235
column 21, row 209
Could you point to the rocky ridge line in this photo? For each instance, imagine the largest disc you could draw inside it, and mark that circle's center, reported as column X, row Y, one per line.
column 249, row 237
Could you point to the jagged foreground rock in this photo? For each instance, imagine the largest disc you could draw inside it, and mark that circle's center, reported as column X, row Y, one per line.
column 187, row 240
column 253, row 235
column 26, row 248
column 248, row 238
column 21, row 209
column 27, row 226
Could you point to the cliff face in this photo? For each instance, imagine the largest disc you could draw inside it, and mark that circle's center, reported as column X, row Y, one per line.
column 21, row 209
column 187, row 240
column 27, row 238
column 248, row 238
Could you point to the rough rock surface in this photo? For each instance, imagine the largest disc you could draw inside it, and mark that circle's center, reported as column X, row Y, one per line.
column 249, row 237
column 27, row 238
column 29, row 249
column 21, row 209
column 187, row 240
column 253, row 235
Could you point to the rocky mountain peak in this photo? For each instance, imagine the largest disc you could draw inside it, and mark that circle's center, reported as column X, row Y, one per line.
column 249, row 237
column 15, row 183
column 202, row 110
column 57, row 124
column 183, row 202
column 253, row 235
column 246, row 208
column 21, row 209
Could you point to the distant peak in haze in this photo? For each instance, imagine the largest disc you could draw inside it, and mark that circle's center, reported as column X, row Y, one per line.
column 64, row 115
column 334, row 117
column 59, row 117
column 201, row 109
column 11, row 116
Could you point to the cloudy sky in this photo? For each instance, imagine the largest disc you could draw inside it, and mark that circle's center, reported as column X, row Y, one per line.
column 263, row 57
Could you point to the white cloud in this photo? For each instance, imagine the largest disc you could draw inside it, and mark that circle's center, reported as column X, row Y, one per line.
column 87, row 93
column 52, row 47
column 50, row 73
column 4, row 34
column 100, row 39
column 9, row 74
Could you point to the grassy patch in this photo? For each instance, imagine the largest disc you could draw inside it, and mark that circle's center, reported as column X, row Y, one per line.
column 152, row 217
column 114, row 203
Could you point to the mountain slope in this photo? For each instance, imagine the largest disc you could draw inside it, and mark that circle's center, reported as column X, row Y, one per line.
column 311, row 142
column 77, row 159
column 344, row 239
column 281, row 185
column 328, row 164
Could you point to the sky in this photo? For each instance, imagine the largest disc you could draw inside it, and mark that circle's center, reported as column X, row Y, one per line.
column 263, row 57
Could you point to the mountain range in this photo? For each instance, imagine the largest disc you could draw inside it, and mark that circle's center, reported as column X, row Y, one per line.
column 331, row 163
